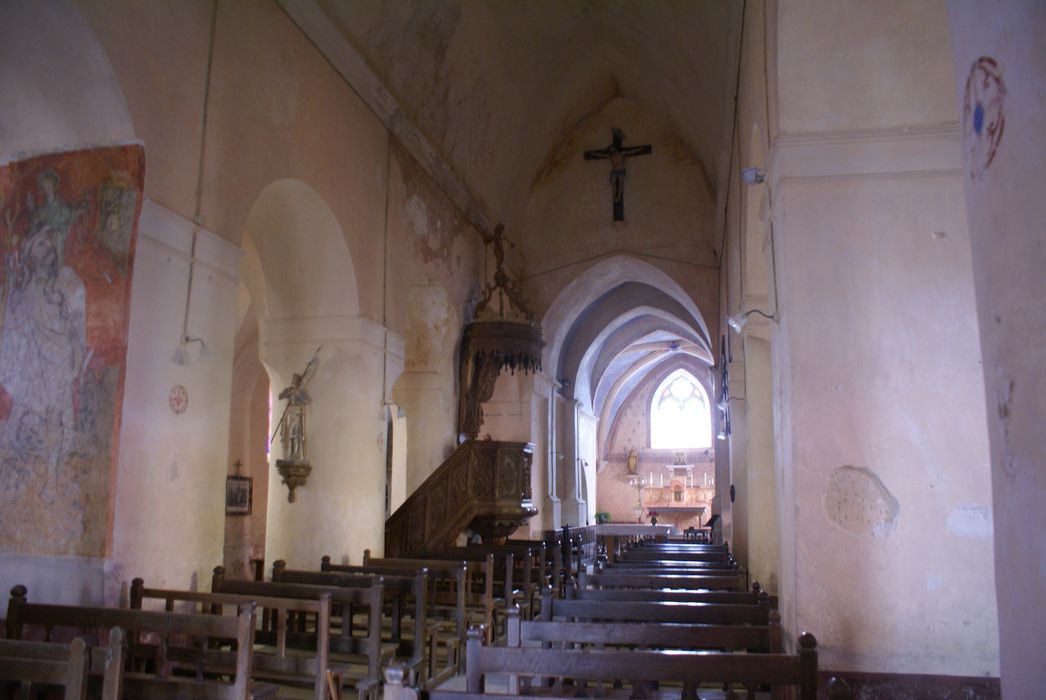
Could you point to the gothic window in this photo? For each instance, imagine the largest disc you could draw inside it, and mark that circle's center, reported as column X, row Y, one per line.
column 680, row 414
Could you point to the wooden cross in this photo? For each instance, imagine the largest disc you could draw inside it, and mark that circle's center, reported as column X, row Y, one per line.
column 617, row 152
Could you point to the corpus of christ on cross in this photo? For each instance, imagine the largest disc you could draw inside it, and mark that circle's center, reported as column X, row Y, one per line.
column 617, row 152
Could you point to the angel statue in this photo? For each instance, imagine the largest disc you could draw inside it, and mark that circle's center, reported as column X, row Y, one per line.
column 292, row 423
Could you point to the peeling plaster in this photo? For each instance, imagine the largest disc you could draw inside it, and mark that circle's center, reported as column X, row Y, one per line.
column 1004, row 388
column 857, row 501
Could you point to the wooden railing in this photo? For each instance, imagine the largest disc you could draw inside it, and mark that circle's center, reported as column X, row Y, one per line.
column 484, row 486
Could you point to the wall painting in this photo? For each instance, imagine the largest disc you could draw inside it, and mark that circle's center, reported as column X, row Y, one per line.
column 68, row 224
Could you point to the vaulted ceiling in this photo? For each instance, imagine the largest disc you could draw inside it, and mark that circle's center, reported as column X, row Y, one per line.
column 495, row 85
column 485, row 93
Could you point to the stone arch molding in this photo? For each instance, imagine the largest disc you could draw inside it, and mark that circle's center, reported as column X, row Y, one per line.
column 301, row 279
column 597, row 280
column 306, row 269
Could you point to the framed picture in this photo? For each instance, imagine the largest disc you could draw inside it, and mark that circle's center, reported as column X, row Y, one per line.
column 239, row 494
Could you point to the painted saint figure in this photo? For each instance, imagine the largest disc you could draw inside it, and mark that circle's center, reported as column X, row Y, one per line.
column 43, row 347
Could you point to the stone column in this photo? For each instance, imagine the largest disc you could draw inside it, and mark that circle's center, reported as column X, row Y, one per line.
column 340, row 510
column 999, row 48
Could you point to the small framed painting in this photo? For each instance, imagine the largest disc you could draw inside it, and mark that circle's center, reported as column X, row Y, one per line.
column 239, row 494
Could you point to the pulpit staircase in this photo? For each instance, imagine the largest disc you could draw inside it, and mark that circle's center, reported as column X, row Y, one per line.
column 483, row 486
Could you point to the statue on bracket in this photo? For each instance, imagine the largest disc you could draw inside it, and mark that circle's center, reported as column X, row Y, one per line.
column 295, row 467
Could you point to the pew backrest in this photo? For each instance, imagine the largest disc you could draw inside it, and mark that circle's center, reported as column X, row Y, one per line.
column 368, row 596
column 654, row 611
column 749, row 638
column 66, row 665
column 639, row 667
column 616, row 579
column 277, row 632
column 23, row 616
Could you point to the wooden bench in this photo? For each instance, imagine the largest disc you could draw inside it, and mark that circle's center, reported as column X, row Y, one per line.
column 533, row 570
column 640, row 668
column 643, row 554
column 504, row 581
column 364, row 655
column 655, row 611
column 553, row 557
column 683, row 596
column 66, row 665
column 281, row 656
column 401, row 590
column 446, row 611
column 150, row 676
column 480, row 597
column 614, row 578
column 643, row 634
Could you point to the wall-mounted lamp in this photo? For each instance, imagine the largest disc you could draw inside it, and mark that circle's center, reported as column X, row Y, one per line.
column 752, row 175
column 181, row 353
column 738, row 321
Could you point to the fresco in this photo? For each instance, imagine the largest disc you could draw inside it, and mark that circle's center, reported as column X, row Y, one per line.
column 67, row 236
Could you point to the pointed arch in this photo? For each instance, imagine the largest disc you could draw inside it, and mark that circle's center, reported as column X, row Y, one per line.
column 563, row 313
column 680, row 413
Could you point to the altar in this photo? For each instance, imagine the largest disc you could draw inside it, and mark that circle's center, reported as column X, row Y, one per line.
column 679, row 495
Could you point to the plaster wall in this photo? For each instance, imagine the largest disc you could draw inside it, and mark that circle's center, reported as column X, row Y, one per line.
column 763, row 534
column 60, row 87
column 170, row 484
column 587, row 454
column 874, row 273
column 669, row 210
column 170, row 466
column 159, row 53
column 875, row 63
column 433, row 261
column 248, row 444
column 1006, row 212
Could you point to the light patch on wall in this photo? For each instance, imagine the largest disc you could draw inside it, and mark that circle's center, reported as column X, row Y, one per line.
column 431, row 327
column 934, row 582
column 417, row 215
column 856, row 500
column 970, row 521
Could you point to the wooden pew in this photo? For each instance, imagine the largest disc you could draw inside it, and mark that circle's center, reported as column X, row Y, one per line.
column 644, row 554
column 66, row 665
column 531, row 571
column 271, row 662
column 504, row 574
column 613, row 578
column 553, row 559
column 729, row 637
column 675, row 561
column 751, row 597
column 401, row 589
column 480, row 597
column 446, row 611
column 638, row 667
column 362, row 653
column 23, row 617
column 655, row 611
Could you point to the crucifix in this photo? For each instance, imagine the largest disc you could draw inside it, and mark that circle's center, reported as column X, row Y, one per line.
column 617, row 152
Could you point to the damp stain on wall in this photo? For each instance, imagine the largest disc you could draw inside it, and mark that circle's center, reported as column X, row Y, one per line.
column 857, row 501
